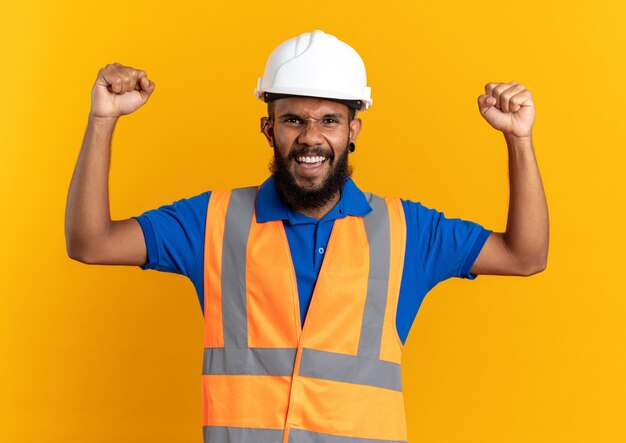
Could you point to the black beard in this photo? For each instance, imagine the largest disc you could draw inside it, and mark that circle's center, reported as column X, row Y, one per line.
column 298, row 198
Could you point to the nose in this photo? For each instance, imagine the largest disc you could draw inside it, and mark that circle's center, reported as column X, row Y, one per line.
column 310, row 134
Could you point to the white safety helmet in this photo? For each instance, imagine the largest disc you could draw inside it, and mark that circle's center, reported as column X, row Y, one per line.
column 315, row 64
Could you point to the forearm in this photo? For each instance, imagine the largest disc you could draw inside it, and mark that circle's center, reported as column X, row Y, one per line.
column 527, row 230
column 87, row 216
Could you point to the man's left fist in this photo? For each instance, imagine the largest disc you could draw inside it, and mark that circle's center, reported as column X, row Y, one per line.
column 508, row 107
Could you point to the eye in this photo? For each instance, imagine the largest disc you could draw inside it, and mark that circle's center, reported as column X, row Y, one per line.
column 330, row 121
column 292, row 120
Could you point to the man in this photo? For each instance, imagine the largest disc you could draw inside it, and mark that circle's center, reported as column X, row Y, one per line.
column 308, row 286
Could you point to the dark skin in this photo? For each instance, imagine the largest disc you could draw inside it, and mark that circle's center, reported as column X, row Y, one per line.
column 321, row 125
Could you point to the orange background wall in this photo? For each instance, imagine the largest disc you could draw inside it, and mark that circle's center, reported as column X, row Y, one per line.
column 113, row 354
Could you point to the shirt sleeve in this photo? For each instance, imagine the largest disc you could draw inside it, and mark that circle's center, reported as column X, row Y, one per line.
column 445, row 247
column 174, row 234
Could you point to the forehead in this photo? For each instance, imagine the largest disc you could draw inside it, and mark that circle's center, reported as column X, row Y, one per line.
column 309, row 107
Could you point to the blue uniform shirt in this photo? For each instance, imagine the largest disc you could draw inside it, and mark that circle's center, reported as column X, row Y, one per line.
column 437, row 247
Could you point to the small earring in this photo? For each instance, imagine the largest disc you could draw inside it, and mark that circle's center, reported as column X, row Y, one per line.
column 351, row 147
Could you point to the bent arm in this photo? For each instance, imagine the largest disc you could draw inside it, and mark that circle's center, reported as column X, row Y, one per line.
column 523, row 248
column 90, row 234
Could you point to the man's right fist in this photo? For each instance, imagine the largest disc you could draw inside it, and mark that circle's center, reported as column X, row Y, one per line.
column 119, row 90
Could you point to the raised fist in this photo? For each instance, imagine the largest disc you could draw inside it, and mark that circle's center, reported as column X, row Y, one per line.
column 508, row 107
column 119, row 90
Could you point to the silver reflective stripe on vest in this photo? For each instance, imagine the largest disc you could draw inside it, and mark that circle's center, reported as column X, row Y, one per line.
column 236, row 231
column 231, row 434
column 350, row 369
column 302, row 436
column 249, row 361
column 378, row 237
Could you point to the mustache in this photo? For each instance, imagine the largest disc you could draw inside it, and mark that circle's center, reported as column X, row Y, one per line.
column 312, row 151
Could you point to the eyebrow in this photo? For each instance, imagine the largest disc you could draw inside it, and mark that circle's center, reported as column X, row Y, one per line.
column 292, row 115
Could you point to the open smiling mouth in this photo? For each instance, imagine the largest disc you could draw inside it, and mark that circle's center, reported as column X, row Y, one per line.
column 310, row 161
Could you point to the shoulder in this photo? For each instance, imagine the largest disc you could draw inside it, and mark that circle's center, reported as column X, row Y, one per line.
column 420, row 214
column 180, row 211
column 188, row 202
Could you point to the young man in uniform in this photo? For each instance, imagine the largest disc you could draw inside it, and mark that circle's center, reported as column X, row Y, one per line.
column 308, row 286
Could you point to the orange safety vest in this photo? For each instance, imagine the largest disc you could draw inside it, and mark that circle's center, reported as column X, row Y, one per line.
column 335, row 380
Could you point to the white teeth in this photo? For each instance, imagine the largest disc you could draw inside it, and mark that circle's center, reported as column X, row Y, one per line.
column 303, row 159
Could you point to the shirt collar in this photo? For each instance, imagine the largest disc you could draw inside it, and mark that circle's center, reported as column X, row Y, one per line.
column 270, row 206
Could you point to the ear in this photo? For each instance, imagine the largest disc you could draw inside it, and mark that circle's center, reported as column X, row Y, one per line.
column 267, row 128
column 355, row 128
